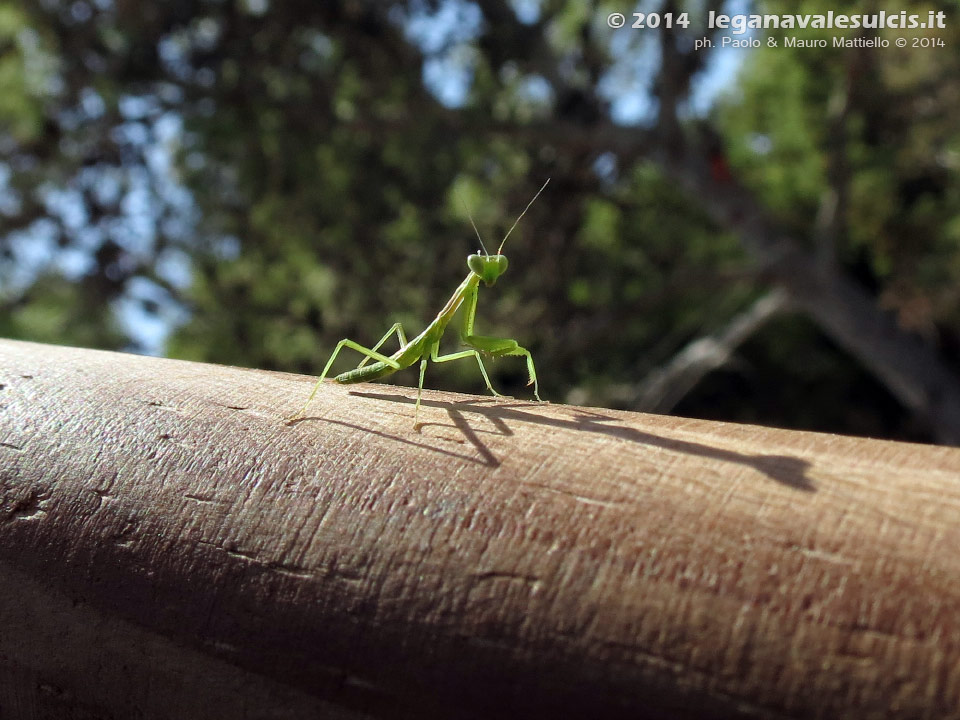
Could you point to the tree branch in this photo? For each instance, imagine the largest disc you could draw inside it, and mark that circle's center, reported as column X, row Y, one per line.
column 170, row 548
column 663, row 388
column 909, row 368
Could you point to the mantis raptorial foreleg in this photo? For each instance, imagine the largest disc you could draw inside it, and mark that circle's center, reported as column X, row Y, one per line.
column 503, row 347
column 398, row 329
column 463, row 354
column 497, row 347
column 346, row 342
column 531, row 370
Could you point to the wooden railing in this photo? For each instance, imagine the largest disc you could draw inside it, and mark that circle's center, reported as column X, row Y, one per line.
column 170, row 548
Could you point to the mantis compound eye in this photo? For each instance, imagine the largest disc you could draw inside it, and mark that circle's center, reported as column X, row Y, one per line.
column 475, row 263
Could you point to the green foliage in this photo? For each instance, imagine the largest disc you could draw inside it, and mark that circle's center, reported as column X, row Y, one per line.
column 25, row 73
column 63, row 314
column 325, row 184
column 882, row 121
column 777, row 125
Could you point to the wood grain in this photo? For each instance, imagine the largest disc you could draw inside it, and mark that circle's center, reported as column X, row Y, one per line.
column 169, row 548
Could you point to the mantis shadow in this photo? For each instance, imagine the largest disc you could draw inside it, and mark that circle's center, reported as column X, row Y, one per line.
column 471, row 435
column 789, row 471
column 487, row 458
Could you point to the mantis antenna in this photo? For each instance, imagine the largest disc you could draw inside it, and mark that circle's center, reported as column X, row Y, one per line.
column 465, row 207
column 521, row 215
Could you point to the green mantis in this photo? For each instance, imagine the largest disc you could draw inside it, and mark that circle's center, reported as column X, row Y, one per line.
column 485, row 268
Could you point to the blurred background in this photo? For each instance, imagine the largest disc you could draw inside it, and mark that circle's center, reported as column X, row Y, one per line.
column 767, row 235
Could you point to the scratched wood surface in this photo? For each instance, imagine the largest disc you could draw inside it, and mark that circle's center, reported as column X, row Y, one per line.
column 169, row 548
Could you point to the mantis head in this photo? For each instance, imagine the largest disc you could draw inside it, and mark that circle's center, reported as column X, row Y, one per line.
column 488, row 267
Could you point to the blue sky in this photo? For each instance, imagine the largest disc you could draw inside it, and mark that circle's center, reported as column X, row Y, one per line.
column 444, row 37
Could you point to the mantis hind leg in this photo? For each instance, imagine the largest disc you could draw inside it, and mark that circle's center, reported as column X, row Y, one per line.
column 398, row 329
column 346, row 342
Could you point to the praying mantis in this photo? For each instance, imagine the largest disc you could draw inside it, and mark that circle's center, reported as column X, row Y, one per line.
column 484, row 268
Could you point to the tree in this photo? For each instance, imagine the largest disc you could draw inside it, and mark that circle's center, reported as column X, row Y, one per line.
column 324, row 147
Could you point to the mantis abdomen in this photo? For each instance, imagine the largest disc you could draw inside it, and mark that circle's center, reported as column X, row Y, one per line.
column 374, row 371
